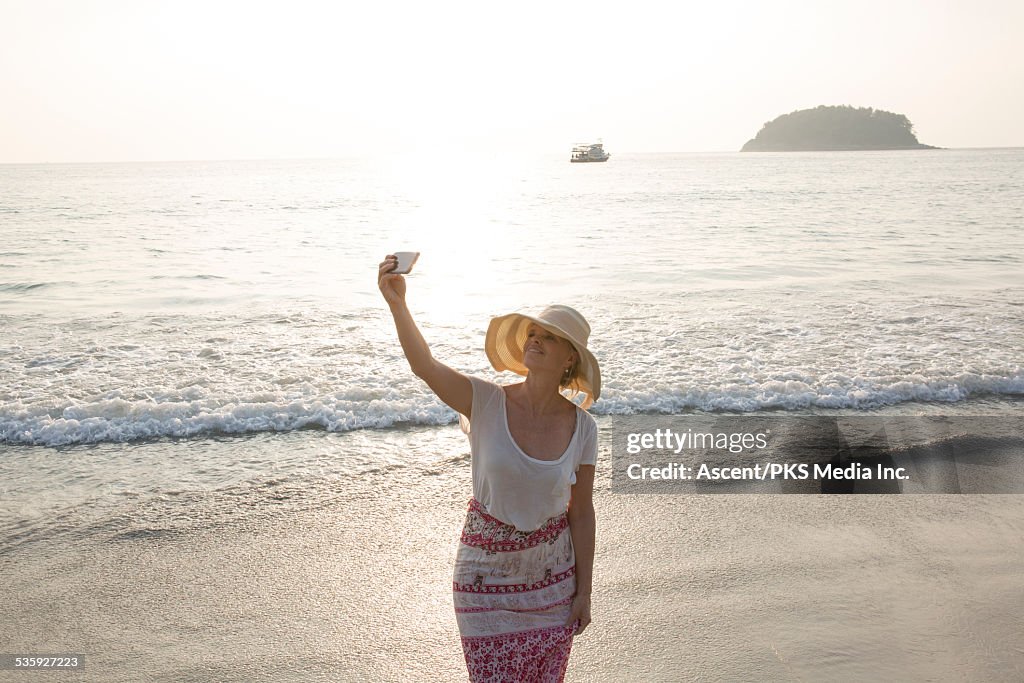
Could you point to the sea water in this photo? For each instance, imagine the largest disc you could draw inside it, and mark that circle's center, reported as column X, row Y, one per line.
column 149, row 307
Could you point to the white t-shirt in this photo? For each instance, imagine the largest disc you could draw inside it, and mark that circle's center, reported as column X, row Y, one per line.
column 515, row 488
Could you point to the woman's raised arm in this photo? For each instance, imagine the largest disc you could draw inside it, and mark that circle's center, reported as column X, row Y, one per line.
column 451, row 386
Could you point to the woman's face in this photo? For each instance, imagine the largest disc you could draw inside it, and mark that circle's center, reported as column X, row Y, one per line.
column 544, row 350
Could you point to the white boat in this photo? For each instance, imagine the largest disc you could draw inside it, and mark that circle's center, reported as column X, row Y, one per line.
column 589, row 152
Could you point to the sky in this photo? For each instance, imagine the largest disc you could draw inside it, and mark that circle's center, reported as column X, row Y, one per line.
column 140, row 80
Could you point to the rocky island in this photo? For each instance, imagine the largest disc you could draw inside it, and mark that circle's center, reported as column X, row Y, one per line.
column 836, row 129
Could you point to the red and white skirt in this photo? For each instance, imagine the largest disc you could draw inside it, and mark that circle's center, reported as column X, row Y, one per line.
column 513, row 594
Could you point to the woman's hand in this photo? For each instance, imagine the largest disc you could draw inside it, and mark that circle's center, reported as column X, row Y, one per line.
column 391, row 286
column 580, row 612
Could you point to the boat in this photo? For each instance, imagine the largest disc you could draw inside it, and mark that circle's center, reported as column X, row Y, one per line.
column 589, row 152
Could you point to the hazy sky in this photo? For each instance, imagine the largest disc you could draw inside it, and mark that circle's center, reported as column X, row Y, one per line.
column 118, row 80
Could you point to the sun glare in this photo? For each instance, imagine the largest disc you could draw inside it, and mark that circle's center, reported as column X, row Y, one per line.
column 456, row 198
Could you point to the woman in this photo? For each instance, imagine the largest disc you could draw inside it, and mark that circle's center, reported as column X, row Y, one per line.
column 523, row 572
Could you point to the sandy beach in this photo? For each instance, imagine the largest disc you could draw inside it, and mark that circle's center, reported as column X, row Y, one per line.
column 688, row 587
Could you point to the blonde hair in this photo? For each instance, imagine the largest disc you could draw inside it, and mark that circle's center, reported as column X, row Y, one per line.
column 569, row 378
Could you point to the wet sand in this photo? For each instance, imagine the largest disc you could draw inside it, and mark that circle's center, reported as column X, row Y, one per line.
column 688, row 587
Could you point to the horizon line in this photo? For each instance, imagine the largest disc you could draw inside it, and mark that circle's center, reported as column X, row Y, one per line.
column 392, row 154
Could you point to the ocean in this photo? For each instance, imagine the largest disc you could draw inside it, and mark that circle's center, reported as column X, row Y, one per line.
column 189, row 347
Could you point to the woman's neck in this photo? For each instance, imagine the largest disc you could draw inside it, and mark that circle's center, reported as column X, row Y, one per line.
column 540, row 395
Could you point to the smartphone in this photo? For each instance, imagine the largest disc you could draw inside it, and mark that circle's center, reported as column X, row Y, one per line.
column 406, row 260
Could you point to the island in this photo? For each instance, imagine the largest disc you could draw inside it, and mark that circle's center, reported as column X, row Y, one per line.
column 841, row 128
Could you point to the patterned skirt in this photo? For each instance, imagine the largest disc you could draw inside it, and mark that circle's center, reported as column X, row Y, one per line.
column 513, row 594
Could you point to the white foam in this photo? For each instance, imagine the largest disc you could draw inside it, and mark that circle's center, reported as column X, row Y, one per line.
column 112, row 418
column 838, row 393
column 119, row 420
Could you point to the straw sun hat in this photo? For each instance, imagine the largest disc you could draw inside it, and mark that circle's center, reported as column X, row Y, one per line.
column 506, row 336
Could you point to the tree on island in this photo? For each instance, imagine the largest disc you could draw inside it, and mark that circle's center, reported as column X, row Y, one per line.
column 836, row 128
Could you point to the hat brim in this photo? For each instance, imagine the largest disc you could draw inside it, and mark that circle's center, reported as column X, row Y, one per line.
column 506, row 336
